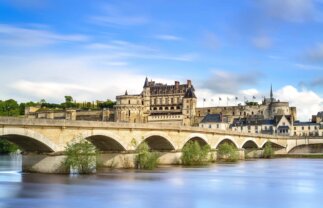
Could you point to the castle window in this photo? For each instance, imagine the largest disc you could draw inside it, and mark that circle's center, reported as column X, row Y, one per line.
column 166, row 108
column 129, row 113
column 129, row 102
column 210, row 126
column 252, row 113
column 172, row 100
column 160, row 108
column 309, row 128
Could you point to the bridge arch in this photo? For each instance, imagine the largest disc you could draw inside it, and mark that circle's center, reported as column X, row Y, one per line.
column 275, row 145
column 28, row 140
column 201, row 139
column 158, row 141
column 307, row 148
column 104, row 141
column 227, row 139
column 249, row 144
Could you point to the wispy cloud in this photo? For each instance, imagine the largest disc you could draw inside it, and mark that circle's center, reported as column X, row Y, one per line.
column 308, row 67
column 30, row 37
column 168, row 37
column 227, row 82
column 291, row 10
column 126, row 50
column 315, row 54
column 262, row 42
column 119, row 15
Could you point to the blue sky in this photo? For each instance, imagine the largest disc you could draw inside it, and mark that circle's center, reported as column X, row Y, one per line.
column 97, row 49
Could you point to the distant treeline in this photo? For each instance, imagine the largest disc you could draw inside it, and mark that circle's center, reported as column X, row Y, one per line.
column 12, row 108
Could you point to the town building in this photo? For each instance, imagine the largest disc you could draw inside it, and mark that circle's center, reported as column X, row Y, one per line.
column 268, row 109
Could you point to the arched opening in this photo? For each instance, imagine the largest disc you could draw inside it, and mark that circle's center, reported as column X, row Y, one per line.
column 307, row 149
column 250, row 145
column 229, row 141
column 199, row 140
column 105, row 143
column 27, row 144
column 274, row 146
column 159, row 143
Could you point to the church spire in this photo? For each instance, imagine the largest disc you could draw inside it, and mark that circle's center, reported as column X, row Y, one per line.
column 271, row 93
column 146, row 82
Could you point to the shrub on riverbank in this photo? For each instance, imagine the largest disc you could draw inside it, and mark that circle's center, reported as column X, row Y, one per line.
column 228, row 152
column 81, row 157
column 145, row 159
column 268, row 150
column 194, row 154
column 7, row 147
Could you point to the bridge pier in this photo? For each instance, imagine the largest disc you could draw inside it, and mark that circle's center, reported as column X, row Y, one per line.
column 43, row 163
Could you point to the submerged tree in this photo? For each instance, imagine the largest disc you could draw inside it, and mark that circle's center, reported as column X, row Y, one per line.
column 81, row 156
column 228, row 152
column 268, row 150
column 145, row 159
column 194, row 154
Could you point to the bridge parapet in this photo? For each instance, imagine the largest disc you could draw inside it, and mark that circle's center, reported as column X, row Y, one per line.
column 26, row 122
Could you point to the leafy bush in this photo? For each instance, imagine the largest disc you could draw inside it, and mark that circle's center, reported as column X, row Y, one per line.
column 228, row 152
column 7, row 147
column 81, row 156
column 146, row 159
column 268, row 150
column 194, row 154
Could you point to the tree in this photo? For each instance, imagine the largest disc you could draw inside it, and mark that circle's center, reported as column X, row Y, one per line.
column 228, row 152
column 268, row 150
column 68, row 99
column 9, row 108
column 194, row 154
column 7, row 147
column 146, row 159
column 81, row 156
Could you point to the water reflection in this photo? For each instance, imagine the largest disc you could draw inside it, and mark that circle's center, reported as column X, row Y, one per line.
column 259, row 183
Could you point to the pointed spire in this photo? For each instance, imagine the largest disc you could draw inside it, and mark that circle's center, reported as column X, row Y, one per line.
column 146, row 82
column 126, row 93
column 271, row 92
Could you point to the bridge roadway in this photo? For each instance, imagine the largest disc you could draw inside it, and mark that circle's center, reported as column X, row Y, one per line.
column 43, row 140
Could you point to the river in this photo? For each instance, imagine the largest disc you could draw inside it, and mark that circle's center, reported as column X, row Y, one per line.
column 256, row 183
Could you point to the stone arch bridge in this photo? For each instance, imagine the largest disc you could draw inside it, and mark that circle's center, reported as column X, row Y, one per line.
column 44, row 140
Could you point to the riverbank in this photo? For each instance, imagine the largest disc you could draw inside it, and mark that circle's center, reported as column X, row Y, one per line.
column 313, row 156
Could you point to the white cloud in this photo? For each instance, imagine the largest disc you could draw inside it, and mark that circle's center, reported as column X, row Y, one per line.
column 308, row 103
column 30, row 37
column 291, row 10
column 125, row 50
column 262, row 42
column 119, row 15
column 168, row 37
column 53, row 77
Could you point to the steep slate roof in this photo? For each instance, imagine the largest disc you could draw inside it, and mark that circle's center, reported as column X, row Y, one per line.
column 298, row 123
column 212, row 118
column 190, row 93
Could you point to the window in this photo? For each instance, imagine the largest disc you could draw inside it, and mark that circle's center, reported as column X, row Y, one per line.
column 129, row 102
column 295, row 128
column 302, row 127
column 309, row 128
column 210, row 126
column 217, row 126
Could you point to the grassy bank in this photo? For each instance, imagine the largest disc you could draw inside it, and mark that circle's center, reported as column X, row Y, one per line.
column 314, row 156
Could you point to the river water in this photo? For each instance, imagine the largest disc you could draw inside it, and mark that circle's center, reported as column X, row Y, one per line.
column 257, row 183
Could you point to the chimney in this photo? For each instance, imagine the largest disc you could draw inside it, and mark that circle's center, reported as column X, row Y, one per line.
column 189, row 83
column 176, row 84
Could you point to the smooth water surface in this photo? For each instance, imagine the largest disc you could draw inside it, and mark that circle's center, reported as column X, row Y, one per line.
column 258, row 183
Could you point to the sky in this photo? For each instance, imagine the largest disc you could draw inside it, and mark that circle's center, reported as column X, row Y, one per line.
column 95, row 50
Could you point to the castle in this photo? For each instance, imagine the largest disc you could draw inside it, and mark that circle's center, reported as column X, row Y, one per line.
column 158, row 103
column 177, row 104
